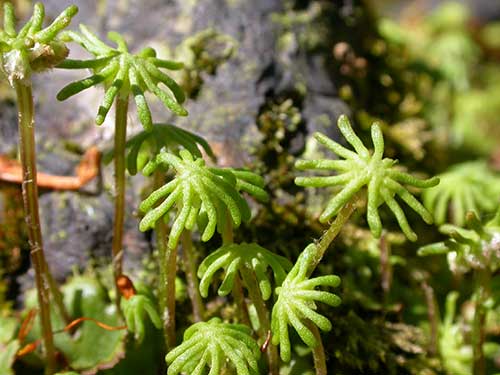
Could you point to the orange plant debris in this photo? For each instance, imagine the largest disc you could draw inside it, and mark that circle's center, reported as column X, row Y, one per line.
column 88, row 169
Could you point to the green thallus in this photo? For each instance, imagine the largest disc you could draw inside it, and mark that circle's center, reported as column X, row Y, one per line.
column 213, row 344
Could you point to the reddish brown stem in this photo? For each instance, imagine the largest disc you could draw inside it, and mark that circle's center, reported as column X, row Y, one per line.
column 30, row 199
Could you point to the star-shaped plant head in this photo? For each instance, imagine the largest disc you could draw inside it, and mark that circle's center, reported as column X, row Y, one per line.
column 136, row 308
column 199, row 192
column 455, row 346
column 232, row 258
column 123, row 73
column 470, row 186
column 476, row 247
column 363, row 168
column 454, row 351
column 146, row 145
column 214, row 345
column 297, row 300
column 32, row 49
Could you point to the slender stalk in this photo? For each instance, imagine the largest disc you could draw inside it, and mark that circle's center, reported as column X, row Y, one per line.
column 319, row 351
column 170, row 263
column 332, row 232
column 227, row 231
column 58, row 297
column 239, row 297
column 482, row 293
column 121, row 108
column 192, row 279
column 166, row 280
column 432, row 314
column 30, row 200
column 263, row 314
column 385, row 269
column 321, row 247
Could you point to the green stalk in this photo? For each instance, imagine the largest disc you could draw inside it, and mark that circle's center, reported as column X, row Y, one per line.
column 170, row 264
column 166, row 281
column 385, row 270
column 192, row 280
column 121, row 108
column 482, row 293
column 237, row 292
column 332, row 232
column 227, row 231
column 321, row 248
column 319, row 351
column 263, row 314
column 30, row 200
column 58, row 297
column 239, row 298
column 432, row 316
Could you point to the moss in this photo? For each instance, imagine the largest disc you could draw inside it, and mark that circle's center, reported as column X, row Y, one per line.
column 280, row 123
column 202, row 54
column 370, row 346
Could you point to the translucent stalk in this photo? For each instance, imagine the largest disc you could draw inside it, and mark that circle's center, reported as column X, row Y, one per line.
column 192, row 280
column 319, row 357
column 321, row 248
column 332, row 232
column 119, row 159
column 239, row 297
column 166, row 281
column 263, row 315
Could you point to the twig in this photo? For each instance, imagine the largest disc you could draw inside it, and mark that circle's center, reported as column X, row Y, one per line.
column 87, row 170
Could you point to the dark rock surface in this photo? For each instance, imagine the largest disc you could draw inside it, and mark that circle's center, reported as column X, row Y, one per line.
column 274, row 60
